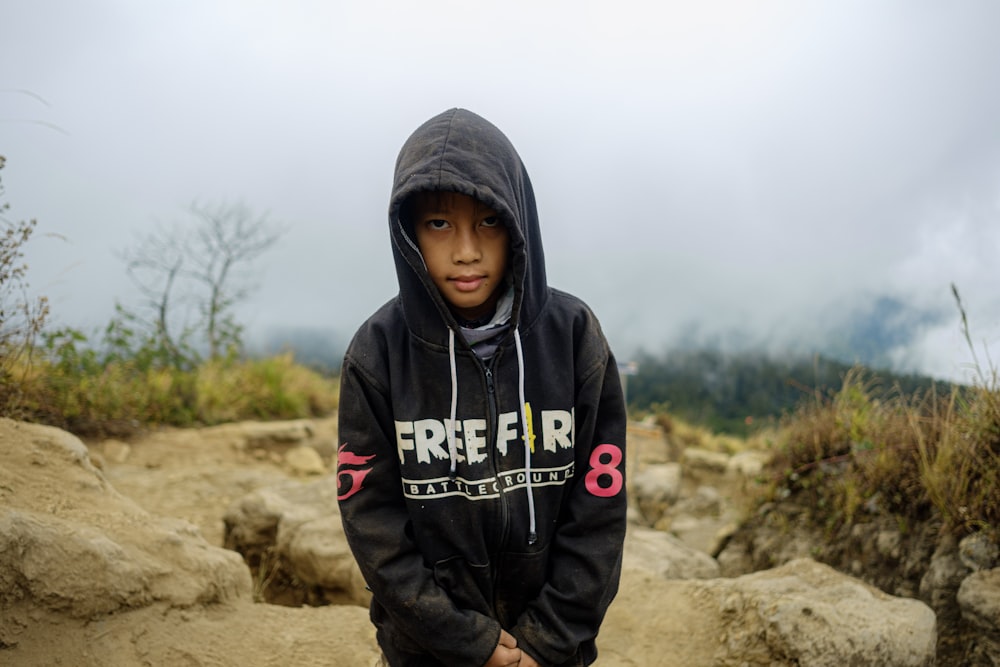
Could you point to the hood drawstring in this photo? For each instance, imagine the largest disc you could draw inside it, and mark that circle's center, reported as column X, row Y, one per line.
column 532, row 535
column 452, row 447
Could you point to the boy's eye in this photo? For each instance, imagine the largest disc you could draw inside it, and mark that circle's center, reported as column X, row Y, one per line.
column 437, row 224
column 492, row 221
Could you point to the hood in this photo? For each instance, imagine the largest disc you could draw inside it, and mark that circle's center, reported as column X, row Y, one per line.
column 462, row 152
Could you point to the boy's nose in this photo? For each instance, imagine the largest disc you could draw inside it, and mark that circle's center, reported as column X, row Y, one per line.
column 466, row 247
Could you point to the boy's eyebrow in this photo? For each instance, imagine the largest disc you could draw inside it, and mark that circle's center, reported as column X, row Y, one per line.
column 432, row 212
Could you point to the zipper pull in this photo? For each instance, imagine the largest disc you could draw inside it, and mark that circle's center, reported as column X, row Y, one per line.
column 489, row 381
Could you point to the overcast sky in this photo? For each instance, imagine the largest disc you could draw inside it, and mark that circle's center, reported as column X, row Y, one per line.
column 747, row 172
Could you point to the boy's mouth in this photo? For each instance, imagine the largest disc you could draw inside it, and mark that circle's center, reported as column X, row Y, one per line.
column 467, row 283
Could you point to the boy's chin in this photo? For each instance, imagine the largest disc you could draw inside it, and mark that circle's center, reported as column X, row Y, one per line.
column 471, row 309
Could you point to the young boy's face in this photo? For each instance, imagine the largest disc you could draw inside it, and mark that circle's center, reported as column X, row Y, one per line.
column 465, row 247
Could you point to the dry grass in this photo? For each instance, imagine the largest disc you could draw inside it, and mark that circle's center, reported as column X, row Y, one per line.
column 685, row 434
column 850, row 452
column 120, row 397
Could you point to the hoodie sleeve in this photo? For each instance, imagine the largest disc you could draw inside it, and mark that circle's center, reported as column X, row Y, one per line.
column 377, row 526
column 586, row 552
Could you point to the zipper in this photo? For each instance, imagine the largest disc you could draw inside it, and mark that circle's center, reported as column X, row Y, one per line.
column 492, row 420
column 492, row 410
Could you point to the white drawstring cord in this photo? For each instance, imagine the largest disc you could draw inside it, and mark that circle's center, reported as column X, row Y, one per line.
column 452, row 447
column 532, row 535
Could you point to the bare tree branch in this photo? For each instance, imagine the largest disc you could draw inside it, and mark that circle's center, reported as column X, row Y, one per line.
column 201, row 265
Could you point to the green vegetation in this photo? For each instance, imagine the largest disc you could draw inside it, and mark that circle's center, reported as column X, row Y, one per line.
column 119, row 389
column 736, row 393
column 21, row 317
column 848, row 454
column 139, row 374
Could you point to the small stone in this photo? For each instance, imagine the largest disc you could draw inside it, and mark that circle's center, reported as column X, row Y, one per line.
column 304, row 461
column 978, row 552
column 116, row 451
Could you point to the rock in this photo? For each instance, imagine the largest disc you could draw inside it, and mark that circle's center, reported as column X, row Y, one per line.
column 822, row 617
column 734, row 559
column 659, row 482
column 304, row 461
column 704, row 520
column 771, row 543
column 198, row 494
column 939, row 585
column 979, row 600
column 242, row 634
column 294, row 528
column 116, row 451
column 705, row 501
column 801, row 613
column 654, row 488
column 318, row 555
column 70, row 543
column 85, row 571
column 979, row 552
column 747, row 464
column 89, row 578
column 634, row 516
column 250, row 435
column 697, row 459
column 647, row 445
column 262, row 434
column 664, row 555
column 888, row 544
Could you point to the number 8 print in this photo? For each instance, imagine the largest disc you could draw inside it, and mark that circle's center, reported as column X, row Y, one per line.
column 607, row 468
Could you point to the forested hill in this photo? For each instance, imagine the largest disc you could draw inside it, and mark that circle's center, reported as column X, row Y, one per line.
column 715, row 389
column 721, row 391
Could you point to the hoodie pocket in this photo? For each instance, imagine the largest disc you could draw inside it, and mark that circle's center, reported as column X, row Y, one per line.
column 519, row 581
column 468, row 584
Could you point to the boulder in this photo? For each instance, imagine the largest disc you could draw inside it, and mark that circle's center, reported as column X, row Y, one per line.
column 89, row 578
column 701, row 460
column 648, row 445
column 265, row 434
column 662, row 554
column 802, row 613
column 304, row 461
column 655, row 488
column 748, row 463
column 979, row 600
column 70, row 543
column 291, row 536
column 940, row 583
column 979, row 551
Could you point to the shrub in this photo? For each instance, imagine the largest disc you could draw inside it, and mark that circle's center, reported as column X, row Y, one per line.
column 905, row 455
column 21, row 317
column 271, row 388
column 109, row 392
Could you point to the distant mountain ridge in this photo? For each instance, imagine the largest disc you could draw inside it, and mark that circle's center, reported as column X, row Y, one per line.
column 728, row 392
column 707, row 385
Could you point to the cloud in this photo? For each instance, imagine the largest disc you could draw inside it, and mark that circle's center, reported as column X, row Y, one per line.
column 723, row 171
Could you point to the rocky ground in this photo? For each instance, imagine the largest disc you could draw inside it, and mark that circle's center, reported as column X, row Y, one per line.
column 111, row 553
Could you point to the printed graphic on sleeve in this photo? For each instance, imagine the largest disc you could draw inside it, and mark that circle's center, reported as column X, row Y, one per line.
column 604, row 479
column 356, row 476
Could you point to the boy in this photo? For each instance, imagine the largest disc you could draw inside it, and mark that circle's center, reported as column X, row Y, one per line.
column 482, row 470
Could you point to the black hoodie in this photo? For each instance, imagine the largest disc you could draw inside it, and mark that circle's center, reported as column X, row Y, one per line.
column 461, row 536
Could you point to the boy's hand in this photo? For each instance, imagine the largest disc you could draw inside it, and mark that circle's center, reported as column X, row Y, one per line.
column 527, row 661
column 506, row 654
